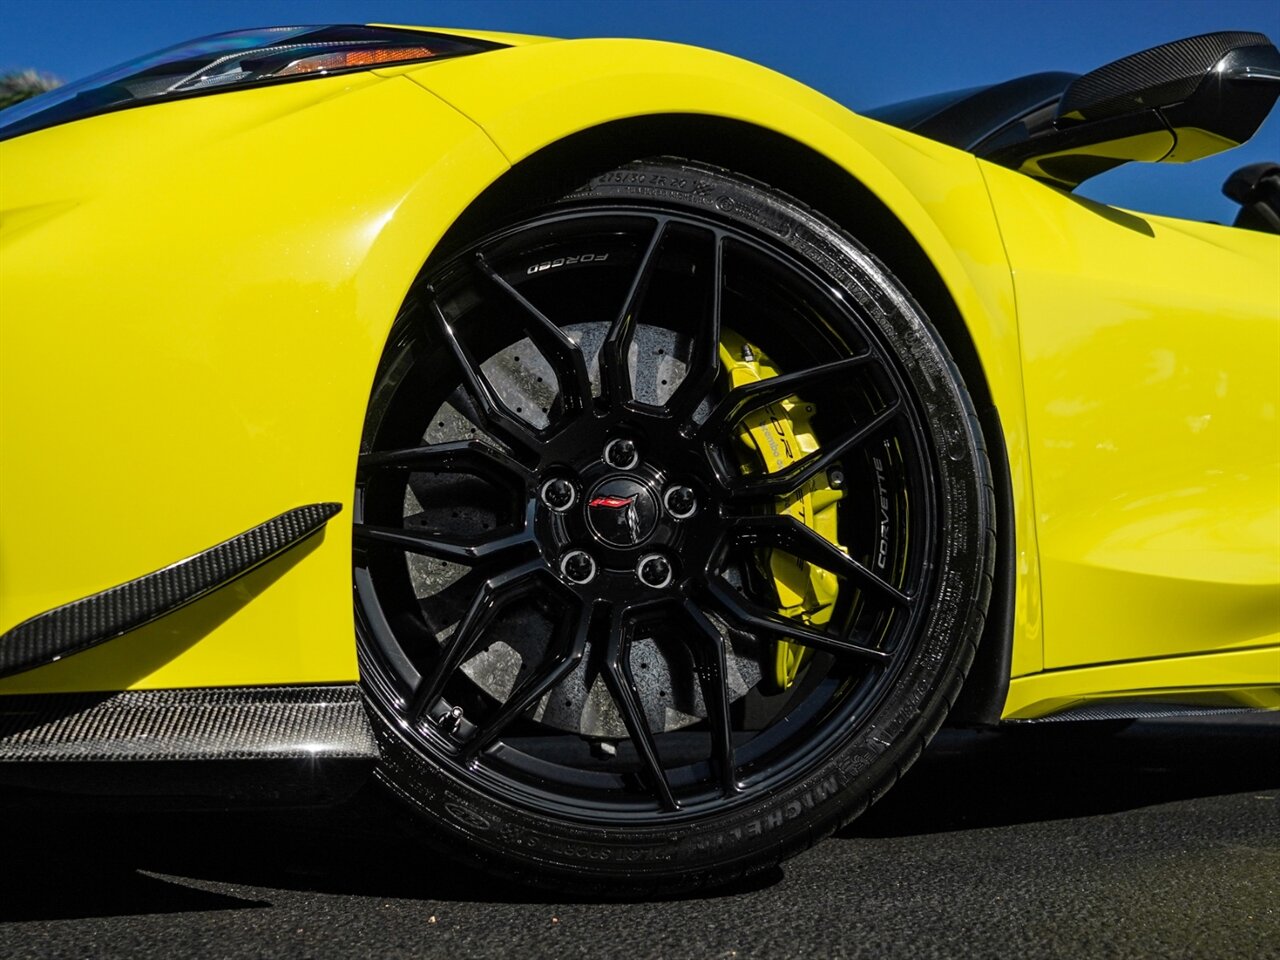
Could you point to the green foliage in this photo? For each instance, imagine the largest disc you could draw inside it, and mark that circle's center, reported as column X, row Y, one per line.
column 20, row 85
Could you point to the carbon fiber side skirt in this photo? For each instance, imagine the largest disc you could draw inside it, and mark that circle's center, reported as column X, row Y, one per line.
column 279, row 744
column 84, row 623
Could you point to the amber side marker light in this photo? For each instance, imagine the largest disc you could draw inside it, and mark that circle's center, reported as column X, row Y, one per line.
column 346, row 59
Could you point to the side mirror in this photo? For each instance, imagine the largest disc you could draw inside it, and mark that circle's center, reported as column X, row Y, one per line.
column 1257, row 189
column 1173, row 103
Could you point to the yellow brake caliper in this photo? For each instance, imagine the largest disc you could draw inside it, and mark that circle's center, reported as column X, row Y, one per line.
column 778, row 435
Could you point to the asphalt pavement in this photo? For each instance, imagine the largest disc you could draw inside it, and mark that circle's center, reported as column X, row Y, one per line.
column 1160, row 841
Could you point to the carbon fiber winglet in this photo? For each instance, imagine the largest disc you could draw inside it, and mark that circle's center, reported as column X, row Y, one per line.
column 83, row 623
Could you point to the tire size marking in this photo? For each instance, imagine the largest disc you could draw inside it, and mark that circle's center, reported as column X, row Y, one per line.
column 658, row 180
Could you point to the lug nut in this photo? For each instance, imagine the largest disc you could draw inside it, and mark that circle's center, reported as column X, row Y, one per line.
column 621, row 453
column 451, row 721
column 559, row 494
column 654, row 570
column 681, row 502
column 578, row 567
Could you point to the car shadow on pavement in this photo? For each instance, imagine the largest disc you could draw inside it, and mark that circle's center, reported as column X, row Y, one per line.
column 1054, row 771
column 64, row 863
column 75, row 863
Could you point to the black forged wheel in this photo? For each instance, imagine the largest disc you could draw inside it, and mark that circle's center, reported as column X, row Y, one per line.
column 572, row 566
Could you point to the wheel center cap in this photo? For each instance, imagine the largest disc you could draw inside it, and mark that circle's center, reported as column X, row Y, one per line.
column 621, row 511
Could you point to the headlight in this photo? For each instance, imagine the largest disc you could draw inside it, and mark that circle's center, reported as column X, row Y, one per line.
column 230, row 61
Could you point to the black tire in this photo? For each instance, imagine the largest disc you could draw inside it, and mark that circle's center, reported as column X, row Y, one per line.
column 563, row 822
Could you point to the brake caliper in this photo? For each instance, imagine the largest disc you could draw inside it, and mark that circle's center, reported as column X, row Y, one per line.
column 777, row 435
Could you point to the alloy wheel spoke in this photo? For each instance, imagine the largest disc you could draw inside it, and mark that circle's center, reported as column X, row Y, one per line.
column 495, row 595
column 615, row 375
column 704, row 357
column 783, row 482
column 504, row 547
column 504, row 424
column 749, row 396
column 713, row 677
column 560, row 350
column 754, row 620
column 461, row 456
column 804, row 543
column 622, row 687
column 572, row 644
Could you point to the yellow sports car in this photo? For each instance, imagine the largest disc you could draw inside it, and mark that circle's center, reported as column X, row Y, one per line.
column 623, row 454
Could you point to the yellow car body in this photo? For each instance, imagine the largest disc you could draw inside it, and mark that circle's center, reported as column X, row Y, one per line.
column 194, row 297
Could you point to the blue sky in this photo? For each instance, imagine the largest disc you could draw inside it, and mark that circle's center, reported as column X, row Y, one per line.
column 861, row 52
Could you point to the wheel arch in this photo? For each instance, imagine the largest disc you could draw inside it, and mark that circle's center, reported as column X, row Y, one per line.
column 821, row 184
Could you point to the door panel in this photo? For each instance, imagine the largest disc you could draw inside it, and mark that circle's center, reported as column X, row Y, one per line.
column 1151, row 352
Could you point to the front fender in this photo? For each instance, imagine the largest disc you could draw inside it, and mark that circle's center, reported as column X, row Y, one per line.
column 195, row 297
column 530, row 97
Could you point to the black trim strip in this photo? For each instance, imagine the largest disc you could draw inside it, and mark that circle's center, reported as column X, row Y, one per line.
column 221, row 723
column 81, row 624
